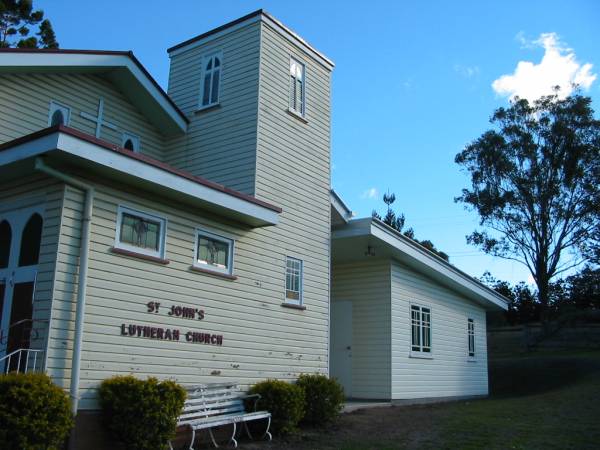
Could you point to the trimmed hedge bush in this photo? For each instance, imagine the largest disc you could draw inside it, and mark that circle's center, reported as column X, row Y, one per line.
column 141, row 414
column 324, row 398
column 284, row 401
column 35, row 414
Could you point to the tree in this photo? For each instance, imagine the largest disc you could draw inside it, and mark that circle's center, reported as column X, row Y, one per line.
column 396, row 221
column 16, row 18
column 534, row 184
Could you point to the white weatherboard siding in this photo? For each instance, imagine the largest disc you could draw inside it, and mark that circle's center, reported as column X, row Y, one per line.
column 221, row 141
column 260, row 338
column 450, row 372
column 367, row 286
column 25, row 101
column 28, row 192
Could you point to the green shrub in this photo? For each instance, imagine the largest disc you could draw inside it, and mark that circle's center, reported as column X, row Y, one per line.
column 34, row 412
column 324, row 398
column 284, row 401
column 141, row 414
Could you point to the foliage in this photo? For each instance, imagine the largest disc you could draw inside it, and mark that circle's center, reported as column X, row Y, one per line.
column 141, row 414
column 34, row 412
column 535, row 183
column 16, row 18
column 285, row 402
column 397, row 221
column 324, row 398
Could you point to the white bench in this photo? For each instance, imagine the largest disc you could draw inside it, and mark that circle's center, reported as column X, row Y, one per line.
column 212, row 405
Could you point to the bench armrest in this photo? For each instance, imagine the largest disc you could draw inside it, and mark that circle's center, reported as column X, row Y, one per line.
column 249, row 396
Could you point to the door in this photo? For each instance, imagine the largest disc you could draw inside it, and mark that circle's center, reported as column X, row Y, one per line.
column 20, row 239
column 341, row 344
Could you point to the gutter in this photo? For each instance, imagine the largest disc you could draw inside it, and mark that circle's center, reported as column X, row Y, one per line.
column 84, row 251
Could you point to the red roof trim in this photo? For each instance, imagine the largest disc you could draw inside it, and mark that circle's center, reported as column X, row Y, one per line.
column 103, row 52
column 140, row 157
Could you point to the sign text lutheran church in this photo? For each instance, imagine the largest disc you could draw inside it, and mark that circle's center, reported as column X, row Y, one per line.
column 172, row 334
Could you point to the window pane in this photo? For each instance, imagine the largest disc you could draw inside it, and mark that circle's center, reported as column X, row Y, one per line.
column 209, row 65
column 128, row 145
column 57, row 118
column 30, row 241
column 217, row 62
column 293, row 279
column 215, row 87
column 213, row 252
column 5, row 241
column 206, row 89
column 140, row 232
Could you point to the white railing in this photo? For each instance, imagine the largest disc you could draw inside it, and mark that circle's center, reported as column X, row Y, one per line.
column 23, row 360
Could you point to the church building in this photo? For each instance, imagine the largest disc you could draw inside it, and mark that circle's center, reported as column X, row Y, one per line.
column 188, row 235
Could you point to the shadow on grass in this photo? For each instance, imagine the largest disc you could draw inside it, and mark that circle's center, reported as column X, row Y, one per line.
column 536, row 374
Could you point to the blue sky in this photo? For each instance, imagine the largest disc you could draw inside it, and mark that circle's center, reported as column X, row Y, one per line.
column 412, row 84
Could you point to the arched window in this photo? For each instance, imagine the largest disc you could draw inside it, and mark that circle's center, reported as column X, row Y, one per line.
column 57, row 118
column 58, row 114
column 30, row 241
column 5, row 240
column 130, row 142
column 211, row 66
column 128, row 145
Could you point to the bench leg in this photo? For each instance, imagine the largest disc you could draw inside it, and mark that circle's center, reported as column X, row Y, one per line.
column 213, row 438
column 267, row 433
column 193, row 439
column 232, row 440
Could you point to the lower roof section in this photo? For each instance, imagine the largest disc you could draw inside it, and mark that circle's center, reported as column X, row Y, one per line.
column 63, row 146
column 370, row 238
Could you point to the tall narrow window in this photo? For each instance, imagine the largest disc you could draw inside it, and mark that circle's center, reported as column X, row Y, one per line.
column 58, row 114
column 5, row 241
column 211, row 80
column 293, row 281
column 297, row 86
column 421, row 329
column 471, row 337
column 30, row 241
column 140, row 232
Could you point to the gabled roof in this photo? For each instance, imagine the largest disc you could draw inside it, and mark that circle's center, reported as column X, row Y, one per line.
column 350, row 242
column 255, row 16
column 340, row 213
column 122, row 68
column 65, row 146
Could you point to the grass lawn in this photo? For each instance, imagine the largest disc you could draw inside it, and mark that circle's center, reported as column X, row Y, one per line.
column 539, row 401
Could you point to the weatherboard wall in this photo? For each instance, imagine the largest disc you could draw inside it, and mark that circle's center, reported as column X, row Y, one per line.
column 220, row 143
column 25, row 101
column 366, row 285
column 450, row 371
column 261, row 339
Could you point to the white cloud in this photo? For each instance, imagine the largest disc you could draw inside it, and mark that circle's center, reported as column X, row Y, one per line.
column 558, row 67
column 466, row 71
column 370, row 193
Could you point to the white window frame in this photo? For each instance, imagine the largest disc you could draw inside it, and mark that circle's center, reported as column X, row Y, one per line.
column 134, row 138
column 204, row 73
column 231, row 246
column 160, row 253
column 420, row 352
column 302, row 111
column 471, row 348
column 300, row 299
column 57, row 106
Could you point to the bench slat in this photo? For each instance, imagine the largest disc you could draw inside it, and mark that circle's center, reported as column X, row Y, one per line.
column 225, row 420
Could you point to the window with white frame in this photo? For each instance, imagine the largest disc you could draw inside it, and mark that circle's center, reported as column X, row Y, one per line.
column 297, row 86
column 471, row 337
column 421, row 329
column 140, row 232
column 130, row 142
column 293, row 281
column 211, row 80
column 58, row 114
column 213, row 252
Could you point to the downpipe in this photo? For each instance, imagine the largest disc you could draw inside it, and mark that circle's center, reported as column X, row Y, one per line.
column 84, row 251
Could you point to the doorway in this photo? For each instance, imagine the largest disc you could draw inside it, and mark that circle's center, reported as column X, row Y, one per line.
column 20, row 239
column 341, row 344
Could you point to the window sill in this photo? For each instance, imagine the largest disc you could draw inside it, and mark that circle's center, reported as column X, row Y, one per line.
column 420, row 355
column 472, row 360
column 298, row 116
column 131, row 254
column 213, row 273
column 202, row 109
column 293, row 306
